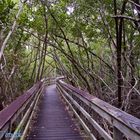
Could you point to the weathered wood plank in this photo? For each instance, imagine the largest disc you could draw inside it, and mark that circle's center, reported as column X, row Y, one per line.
column 117, row 135
column 14, row 112
column 7, row 113
column 26, row 117
column 89, row 133
column 53, row 121
column 101, row 131
column 126, row 123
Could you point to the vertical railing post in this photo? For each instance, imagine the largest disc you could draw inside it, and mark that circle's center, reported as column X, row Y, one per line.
column 9, row 132
column 117, row 134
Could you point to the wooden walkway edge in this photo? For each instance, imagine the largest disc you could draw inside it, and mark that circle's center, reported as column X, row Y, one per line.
column 53, row 121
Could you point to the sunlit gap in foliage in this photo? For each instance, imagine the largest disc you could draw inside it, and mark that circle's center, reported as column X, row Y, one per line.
column 70, row 10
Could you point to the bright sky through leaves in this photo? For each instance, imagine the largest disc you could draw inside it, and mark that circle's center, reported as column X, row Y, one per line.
column 70, row 10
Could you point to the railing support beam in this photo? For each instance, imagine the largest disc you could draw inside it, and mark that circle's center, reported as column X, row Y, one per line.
column 117, row 135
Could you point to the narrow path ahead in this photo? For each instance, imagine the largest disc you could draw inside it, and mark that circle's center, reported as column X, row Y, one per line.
column 53, row 121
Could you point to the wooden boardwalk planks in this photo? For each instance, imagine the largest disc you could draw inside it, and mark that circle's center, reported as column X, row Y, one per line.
column 53, row 121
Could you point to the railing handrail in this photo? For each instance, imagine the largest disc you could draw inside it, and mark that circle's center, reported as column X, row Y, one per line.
column 115, row 114
column 7, row 113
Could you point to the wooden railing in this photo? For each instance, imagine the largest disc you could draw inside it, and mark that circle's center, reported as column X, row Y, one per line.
column 50, row 81
column 99, row 119
column 15, row 119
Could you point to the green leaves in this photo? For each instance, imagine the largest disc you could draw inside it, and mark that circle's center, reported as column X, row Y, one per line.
column 5, row 7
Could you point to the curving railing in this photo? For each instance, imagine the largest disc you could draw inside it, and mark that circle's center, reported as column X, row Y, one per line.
column 91, row 111
column 15, row 119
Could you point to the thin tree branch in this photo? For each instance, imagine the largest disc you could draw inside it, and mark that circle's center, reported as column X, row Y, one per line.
column 126, row 17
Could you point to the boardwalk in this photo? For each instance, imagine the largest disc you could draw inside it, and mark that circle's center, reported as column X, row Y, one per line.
column 53, row 121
